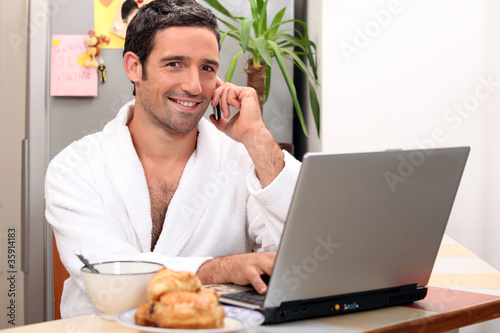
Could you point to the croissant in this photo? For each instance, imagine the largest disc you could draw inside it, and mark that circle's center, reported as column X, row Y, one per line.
column 177, row 300
column 166, row 280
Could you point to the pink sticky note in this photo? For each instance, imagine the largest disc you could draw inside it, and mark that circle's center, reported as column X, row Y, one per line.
column 68, row 76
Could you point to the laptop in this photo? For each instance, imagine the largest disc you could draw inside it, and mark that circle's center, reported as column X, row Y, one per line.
column 362, row 232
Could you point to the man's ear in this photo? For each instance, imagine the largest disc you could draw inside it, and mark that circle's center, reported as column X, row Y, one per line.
column 133, row 66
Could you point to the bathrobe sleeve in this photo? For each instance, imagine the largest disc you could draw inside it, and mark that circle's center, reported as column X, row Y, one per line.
column 267, row 208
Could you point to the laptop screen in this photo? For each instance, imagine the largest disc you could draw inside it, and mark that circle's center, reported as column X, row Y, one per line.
column 365, row 221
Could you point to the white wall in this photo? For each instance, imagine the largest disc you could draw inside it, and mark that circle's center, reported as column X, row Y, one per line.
column 412, row 74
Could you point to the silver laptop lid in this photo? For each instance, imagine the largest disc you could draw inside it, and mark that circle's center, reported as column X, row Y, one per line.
column 365, row 221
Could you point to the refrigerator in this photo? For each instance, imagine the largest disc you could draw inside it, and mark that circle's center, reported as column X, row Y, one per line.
column 53, row 122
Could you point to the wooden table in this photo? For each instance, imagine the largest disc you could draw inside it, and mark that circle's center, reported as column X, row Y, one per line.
column 463, row 290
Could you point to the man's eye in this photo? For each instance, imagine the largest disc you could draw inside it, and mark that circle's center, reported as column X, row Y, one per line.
column 207, row 69
column 174, row 64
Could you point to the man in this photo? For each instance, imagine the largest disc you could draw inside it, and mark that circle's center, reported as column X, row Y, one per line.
column 160, row 183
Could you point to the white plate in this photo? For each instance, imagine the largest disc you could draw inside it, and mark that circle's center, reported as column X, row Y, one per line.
column 237, row 319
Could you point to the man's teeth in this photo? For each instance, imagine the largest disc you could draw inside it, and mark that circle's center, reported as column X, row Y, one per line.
column 185, row 103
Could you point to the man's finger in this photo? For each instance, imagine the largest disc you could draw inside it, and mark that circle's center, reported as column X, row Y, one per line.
column 259, row 284
column 219, row 82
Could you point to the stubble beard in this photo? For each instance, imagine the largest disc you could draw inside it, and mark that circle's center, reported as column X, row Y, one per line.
column 171, row 120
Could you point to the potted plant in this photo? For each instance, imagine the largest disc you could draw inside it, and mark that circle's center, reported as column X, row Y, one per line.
column 267, row 42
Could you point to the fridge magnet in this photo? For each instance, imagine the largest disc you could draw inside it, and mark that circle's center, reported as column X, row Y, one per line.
column 123, row 14
column 68, row 76
column 93, row 51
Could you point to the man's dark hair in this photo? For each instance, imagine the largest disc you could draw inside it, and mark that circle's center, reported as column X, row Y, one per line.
column 159, row 15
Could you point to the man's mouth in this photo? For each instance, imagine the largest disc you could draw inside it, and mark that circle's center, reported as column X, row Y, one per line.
column 184, row 103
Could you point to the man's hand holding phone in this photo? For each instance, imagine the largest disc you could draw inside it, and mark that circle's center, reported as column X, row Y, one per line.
column 244, row 123
column 247, row 127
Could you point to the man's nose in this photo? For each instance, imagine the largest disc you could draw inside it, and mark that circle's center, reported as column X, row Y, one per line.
column 192, row 82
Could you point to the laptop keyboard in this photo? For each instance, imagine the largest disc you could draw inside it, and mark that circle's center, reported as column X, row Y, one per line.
column 250, row 296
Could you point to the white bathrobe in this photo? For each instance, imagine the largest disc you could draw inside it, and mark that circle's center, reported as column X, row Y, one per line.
column 98, row 203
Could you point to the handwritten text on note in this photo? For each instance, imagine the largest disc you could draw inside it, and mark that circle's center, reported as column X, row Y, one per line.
column 68, row 77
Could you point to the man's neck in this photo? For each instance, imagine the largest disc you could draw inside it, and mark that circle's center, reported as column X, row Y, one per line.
column 158, row 145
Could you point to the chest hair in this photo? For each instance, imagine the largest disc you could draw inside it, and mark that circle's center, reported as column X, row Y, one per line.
column 160, row 193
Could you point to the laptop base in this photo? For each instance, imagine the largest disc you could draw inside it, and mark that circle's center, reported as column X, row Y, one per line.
column 297, row 310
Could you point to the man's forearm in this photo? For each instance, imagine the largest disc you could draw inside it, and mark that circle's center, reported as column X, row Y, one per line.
column 266, row 155
column 222, row 270
column 210, row 272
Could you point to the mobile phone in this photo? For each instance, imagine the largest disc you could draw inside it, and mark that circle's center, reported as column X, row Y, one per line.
column 216, row 110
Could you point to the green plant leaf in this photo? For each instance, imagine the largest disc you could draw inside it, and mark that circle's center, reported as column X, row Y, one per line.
column 223, row 35
column 232, row 66
column 220, row 8
column 261, row 4
column 231, row 34
column 313, row 101
column 246, row 26
column 294, row 41
column 275, row 24
column 229, row 25
column 301, row 65
column 261, row 46
column 309, row 45
column 290, row 84
column 268, row 82
column 278, row 23
column 262, row 19
column 254, row 9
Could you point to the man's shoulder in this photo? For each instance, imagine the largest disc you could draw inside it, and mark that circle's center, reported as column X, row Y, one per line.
column 78, row 155
column 90, row 149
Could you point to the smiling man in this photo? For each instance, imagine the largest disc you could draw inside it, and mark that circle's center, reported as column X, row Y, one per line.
column 160, row 182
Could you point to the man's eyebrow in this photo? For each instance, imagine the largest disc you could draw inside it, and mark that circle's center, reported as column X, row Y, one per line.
column 188, row 59
column 175, row 57
column 211, row 62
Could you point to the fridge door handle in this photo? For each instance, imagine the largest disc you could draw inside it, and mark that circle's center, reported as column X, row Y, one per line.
column 25, row 207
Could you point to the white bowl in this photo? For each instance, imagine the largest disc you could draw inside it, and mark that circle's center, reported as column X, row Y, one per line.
column 119, row 285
